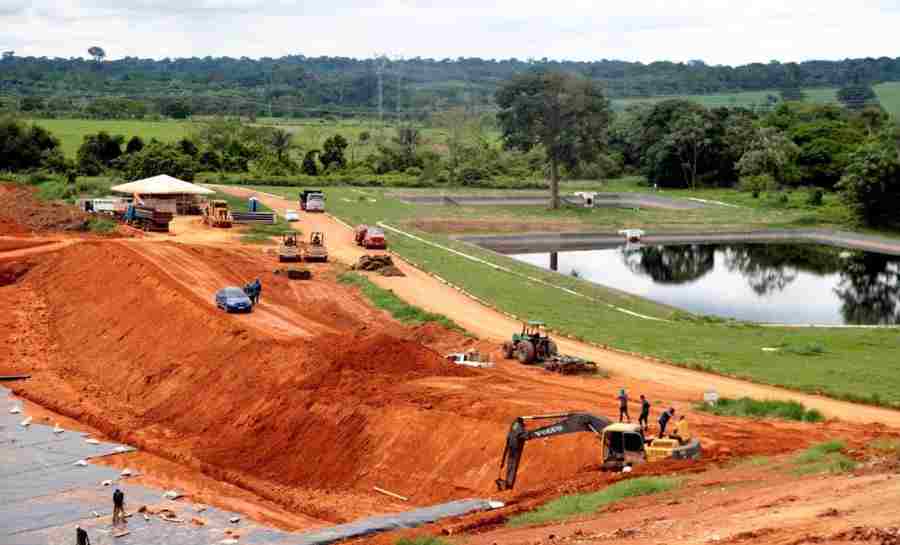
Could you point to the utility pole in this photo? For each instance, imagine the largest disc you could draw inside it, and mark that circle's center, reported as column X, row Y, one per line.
column 399, row 61
column 380, row 64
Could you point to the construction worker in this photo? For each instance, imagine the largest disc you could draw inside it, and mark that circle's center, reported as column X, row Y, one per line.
column 645, row 414
column 664, row 418
column 118, row 507
column 623, row 405
column 257, row 290
column 81, row 537
column 681, row 432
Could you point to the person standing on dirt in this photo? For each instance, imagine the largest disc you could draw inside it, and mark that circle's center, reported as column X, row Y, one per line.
column 681, row 432
column 664, row 418
column 257, row 290
column 645, row 414
column 118, row 507
column 623, row 405
column 81, row 537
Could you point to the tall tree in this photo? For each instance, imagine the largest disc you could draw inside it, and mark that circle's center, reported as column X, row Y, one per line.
column 871, row 184
column 98, row 53
column 281, row 141
column 333, row 152
column 568, row 116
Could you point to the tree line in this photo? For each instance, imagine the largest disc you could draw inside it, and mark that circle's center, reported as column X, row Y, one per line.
column 300, row 85
column 554, row 126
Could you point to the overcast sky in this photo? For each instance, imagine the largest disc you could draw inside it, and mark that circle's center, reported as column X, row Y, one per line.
column 716, row 31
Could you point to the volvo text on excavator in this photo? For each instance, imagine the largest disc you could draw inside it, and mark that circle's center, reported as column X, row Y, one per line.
column 621, row 445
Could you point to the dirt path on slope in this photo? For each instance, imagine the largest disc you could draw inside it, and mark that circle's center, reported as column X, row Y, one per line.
column 425, row 291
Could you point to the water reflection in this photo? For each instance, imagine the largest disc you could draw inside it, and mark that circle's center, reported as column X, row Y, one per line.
column 789, row 283
column 870, row 289
column 671, row 264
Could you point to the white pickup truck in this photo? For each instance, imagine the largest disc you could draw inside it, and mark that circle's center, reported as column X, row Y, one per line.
column 469, row 359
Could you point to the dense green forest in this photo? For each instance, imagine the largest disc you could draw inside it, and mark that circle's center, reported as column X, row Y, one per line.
column 297, row 85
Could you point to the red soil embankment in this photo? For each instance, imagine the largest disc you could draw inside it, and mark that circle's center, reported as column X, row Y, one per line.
column 335, row 400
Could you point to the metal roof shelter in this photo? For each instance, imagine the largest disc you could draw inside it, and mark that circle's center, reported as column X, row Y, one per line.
column 162, row 185
column 166, row 194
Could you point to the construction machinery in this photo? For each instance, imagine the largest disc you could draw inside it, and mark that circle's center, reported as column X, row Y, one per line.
column 315, row 250
column 312, row 200
column 217, row 214
column 621, row 445
column 532, row 345
column 289, row 249
column 147, row 219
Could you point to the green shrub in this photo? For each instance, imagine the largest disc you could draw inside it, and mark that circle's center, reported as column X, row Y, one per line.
column 814, row 348
column 101, row 225
column 824, row 458
column 752, row 408
column 421, row 540
column 569, row 506
column 815, row 197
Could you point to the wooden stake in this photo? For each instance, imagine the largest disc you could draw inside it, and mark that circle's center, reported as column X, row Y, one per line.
column 391, row 494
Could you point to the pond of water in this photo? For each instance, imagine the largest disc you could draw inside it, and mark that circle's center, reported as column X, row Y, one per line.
column 774, row 283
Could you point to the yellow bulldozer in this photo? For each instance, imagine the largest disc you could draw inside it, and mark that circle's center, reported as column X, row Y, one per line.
column 217, row 214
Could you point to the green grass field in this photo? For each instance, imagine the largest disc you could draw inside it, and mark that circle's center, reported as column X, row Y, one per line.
column 71, row 132
column 307, row 134
column 862, row 365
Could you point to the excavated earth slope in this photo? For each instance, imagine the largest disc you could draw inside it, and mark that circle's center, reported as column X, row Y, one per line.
column 313, row 399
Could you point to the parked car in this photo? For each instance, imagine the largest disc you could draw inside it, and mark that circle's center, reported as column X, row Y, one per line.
column 233, row 299
column 374, row 238
column 291, row 215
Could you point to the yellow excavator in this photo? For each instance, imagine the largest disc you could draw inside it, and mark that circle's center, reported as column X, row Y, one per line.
column 621, row 445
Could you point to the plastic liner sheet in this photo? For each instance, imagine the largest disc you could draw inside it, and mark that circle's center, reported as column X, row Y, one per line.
column 386, row 523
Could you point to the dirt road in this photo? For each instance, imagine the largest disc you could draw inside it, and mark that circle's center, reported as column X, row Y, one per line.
column 425, row 291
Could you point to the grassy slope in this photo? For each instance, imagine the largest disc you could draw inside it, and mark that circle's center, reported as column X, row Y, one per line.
column 855, row 364
column 586, row 504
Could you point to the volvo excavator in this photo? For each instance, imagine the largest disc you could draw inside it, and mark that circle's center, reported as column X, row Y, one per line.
column 621, row 444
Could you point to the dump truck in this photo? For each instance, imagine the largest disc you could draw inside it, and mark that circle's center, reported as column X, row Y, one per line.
column 315, row 250
column 217, row 214
column 147, row 219
column 312, row 200
column 289, row 249
column 621, row 445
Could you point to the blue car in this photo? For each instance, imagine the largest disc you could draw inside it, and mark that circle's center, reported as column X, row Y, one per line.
column 232, row 299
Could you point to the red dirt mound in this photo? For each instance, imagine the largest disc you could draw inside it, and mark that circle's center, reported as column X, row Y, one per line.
column 21, row 212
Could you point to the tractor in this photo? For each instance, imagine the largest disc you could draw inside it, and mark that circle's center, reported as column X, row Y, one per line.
column 532, row 345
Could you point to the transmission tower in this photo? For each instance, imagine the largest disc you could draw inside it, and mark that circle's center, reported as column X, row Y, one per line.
column 381, row 61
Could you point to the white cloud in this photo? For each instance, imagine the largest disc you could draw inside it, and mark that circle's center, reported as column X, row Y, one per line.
column 720, row 32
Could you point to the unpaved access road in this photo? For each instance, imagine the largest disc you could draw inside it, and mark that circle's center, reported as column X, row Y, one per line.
column 423, row 290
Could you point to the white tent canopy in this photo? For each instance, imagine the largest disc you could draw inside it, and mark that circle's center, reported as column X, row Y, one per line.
column 162, row 185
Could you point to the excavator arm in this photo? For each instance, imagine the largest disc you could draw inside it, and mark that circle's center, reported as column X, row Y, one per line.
column 519, row 434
